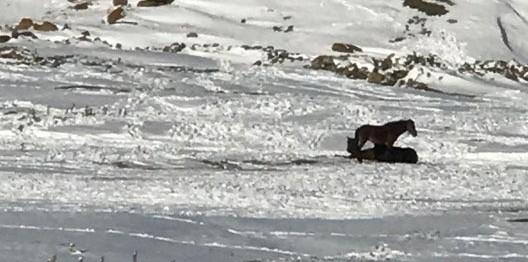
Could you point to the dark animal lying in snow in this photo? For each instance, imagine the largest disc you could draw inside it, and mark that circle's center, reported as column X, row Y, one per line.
column 382, row 153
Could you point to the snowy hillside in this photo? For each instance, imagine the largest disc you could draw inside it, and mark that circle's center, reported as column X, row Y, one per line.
column 236, row 113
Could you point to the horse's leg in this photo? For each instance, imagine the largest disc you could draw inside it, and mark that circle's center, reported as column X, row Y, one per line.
column 390, row 152
column 361, row 142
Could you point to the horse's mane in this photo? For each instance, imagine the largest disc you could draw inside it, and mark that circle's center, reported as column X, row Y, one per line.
column 396, row 123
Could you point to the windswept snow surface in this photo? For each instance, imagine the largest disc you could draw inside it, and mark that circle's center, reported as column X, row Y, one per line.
column 203, row 133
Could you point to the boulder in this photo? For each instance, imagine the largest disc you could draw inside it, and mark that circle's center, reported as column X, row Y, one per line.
column 82, row 6
column 399, row 74
column 45, row 26
column 387, row 62
column 4, row 38
column 24, row 24
column 345, row 48
column 149, row 3
column 431, row 9
column 115, row 15
column 120, row 2
column 323, row 62
column 375, row 78
column 192, row 34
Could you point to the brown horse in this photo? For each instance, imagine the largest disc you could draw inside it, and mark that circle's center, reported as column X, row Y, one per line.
column 381, row 154
column 386, row 134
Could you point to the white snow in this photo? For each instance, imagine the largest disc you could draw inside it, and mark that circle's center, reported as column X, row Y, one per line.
column 250, row 141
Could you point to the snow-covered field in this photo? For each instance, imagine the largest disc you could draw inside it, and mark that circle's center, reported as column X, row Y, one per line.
column 200, row 156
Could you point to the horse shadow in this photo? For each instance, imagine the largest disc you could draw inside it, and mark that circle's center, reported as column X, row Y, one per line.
column 381, row 153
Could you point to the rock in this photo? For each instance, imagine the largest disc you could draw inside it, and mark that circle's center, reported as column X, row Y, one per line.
column 431, row 9
column 397, row 39
column 174, row 47
column 452, row 21
column 120, row 2
column 82, row 6
column 243, row 21
column 277, row 28
column 387, row 62
column 510, row 74
column 45, row 27
column 323, row 62
column 16, row 34
column 399, row 74
column 289, row 29
column 149, row 3
column 375, row 78
column 66, row 26
column 192, row 34
column 4, row 38
column 24, row 24
column 345, row 48
column 118, row 46
column 257, row 63
column 115, row 15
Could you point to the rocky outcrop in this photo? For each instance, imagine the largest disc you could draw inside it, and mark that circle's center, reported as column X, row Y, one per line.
column 149, row 3
column 511, row 70
column 115, row 15
column 393, row 70
column 45, row 26
column 345, row 48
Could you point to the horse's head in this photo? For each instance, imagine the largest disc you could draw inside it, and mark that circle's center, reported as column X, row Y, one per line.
column 351, row 145
column 409, row 124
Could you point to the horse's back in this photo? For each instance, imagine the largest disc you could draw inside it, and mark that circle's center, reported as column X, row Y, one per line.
column 371, row 131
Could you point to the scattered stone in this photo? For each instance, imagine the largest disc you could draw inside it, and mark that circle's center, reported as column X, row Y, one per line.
column 289, row 29
column 387, row 62
column 192, row 34
column 324, row 62
column 120, row 2
column 397, row 39
column 174, row 47
column 243, row 21
column 452, row 21
column 4, row 38
column 45, row 27
column 288, row 17
column 399, row 74
column 118, row 46
column 82, row 6
column 345, row 48
column 115, row 15
column 375, row 78
column 66, row 27
column 257, row 63
column 150, row 3
column 277, row 28
column 431, row 9
column 16, row 34
column 24, row 24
